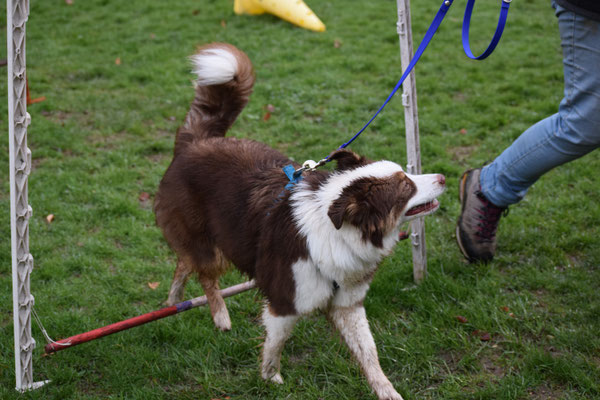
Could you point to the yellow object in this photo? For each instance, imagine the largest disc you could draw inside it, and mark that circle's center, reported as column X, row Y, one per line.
column 294, row 11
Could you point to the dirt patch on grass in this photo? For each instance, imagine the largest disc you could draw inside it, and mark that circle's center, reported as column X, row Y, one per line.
column 460, row 97
column 451, row 359
column 6, row 319
column 110, row 141
column 93, row 385
column 184, row 390
column 461, row 153
column 36, row 162
column 491, row 365
column 158, row 158
column 301, row 358
column 545, row 392
column 164, row 133
column 61, row 117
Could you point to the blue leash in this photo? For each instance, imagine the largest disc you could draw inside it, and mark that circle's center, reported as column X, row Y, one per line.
column 437, row 21
column 497, row 35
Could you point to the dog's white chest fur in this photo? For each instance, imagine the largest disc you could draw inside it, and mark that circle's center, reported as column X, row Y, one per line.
column 340, row 255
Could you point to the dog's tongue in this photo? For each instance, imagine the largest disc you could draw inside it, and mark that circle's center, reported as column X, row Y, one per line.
column 403, row 235
column 419, row 209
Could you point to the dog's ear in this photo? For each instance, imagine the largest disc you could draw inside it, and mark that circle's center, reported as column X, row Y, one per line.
column 351, row 205
column 347, row 159
column 337, row 210
column 359, row 205
column 373, row 205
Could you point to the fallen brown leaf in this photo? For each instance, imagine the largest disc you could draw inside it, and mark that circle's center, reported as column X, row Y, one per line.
column 267, row 116
column 153, row 285
column 461, row 319
column 118, row 61
column 223, row 23
column 144, row 196
column 49, row 218
column 483, row 336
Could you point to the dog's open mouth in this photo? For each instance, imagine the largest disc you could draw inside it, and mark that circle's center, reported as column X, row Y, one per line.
column 423, row 208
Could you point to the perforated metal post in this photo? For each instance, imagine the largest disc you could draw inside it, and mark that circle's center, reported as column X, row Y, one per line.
column 20, row 165
column 411, row 120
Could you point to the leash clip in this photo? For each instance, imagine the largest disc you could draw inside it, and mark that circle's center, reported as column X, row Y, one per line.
column 312, row 165
column 309, row 165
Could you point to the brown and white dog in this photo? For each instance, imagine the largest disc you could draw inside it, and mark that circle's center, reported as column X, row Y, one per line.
column 313, row 247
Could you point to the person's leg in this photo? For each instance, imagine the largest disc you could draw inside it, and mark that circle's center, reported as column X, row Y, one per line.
column 569, row 134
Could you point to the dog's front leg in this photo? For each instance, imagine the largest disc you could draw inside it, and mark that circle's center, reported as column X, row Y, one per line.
column 354, row 328
column 278, row 330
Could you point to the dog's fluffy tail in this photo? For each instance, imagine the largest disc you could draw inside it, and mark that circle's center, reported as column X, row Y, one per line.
column 224, row 84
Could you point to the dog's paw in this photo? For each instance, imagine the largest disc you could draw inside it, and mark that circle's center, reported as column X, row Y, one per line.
column 222, row 320
column 275, row 378
column 174, row 298
column 168, row 303
column 389, row 393
column 270, row 372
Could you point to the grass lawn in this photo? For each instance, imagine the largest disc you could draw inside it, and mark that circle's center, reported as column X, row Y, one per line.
column 117, row 85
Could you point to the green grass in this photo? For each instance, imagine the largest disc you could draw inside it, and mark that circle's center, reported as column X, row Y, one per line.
column 105, row 133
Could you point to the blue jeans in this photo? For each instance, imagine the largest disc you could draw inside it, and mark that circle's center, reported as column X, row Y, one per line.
column 569, row 134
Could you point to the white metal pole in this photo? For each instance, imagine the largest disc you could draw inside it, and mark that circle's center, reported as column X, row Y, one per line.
column 411, row 121
column 20, row 165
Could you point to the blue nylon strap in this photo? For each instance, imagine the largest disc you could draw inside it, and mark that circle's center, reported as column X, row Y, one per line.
column 497, row 35
column 439, row 17
column 293, row 175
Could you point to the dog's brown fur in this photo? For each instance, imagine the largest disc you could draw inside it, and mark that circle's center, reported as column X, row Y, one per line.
column 222, row 200
column 216, row 186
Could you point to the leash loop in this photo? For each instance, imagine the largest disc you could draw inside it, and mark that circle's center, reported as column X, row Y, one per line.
column 497, row 35
column 437, row 21
column 435, row 24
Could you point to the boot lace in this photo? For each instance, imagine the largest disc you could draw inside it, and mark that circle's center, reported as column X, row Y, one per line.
column 488, row 217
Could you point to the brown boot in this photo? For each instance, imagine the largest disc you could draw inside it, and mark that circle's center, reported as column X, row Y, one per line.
column 478, row 221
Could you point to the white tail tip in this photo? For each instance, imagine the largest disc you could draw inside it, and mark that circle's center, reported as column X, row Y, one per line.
column 214, row 66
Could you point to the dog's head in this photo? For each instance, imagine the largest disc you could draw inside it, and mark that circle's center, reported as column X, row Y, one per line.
column 377, row 197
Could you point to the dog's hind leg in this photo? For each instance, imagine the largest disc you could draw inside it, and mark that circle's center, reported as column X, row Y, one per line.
column 209, row 269
column 353, row 325
column 209, row 264
column 218, row 309
column 278, row 330
column 182, row 273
